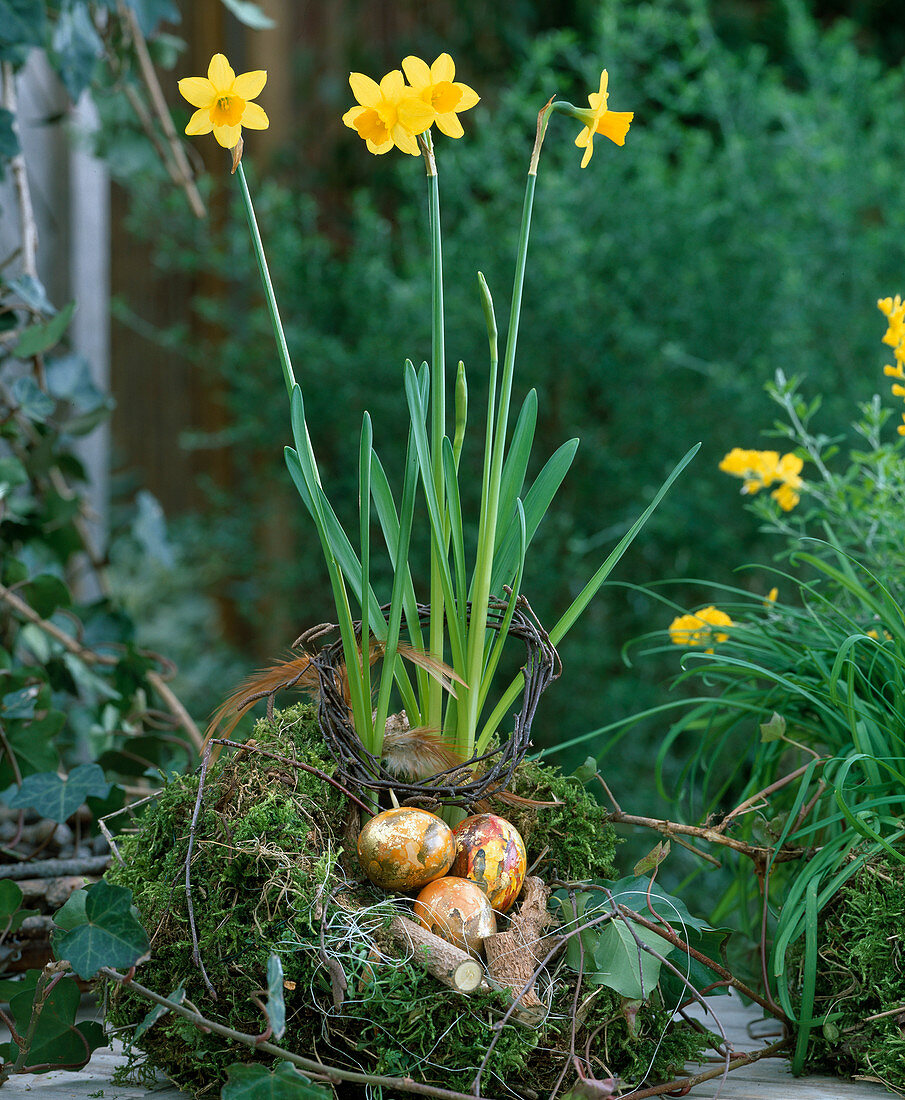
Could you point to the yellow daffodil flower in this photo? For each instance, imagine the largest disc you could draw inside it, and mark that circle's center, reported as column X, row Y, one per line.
column 771, row 598
column 696, row 629
column 437, row 87
column 224, row 102
column 389, row 113
column 598, row 119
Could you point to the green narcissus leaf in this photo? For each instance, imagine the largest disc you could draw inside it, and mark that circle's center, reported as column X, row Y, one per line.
column 111, row 934
column 56, row 798
column 254, row 1082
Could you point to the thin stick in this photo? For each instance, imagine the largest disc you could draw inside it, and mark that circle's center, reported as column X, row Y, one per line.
column 196, row 949
column 159, row 104
column 27, row 225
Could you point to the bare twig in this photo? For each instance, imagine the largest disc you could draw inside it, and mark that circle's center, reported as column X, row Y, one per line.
column 55, row 868
column 162, row 111
column 27, row 225
column 196, row 948
column 324, row 1072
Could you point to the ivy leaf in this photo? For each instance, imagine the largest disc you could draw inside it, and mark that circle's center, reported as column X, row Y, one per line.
column 150, row 13
column 58, row 1040
column 254, row 1082
column 773, row 730
column 653, row 859
column 276, row 1006
column 250, row 14
column 76, row 47
column 32, row 745
column 11, row 916
column 633, row 893
column 30, row 291
column 711, row 943
column 57, row 798
column 110, row 936
column 12, row 475
column 32, row 400
column 37, row 339
column 178, row 995
column 21, row 703
column 619, row 966
column 46, row 593
column 22, row 23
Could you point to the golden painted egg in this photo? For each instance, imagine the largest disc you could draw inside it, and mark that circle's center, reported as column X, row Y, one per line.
column 405, row 848
column 491, row 853
column 457, row 911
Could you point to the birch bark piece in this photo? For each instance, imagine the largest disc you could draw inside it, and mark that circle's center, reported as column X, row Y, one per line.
column 454, row 968
column 512, row 956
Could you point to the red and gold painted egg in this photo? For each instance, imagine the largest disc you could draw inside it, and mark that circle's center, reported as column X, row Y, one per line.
column 405, row 848
column 457, row 911
column 491, row 853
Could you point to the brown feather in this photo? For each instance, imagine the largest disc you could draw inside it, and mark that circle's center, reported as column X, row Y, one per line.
column 417, row 753
column 293, row 672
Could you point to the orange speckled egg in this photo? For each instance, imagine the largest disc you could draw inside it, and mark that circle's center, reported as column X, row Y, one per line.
column 491, row 853
column 404, row 849
column 457, row 911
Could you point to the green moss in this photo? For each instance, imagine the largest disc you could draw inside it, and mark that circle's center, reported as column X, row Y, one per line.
column 862, row 974
column 269, row 874
column 574, row 838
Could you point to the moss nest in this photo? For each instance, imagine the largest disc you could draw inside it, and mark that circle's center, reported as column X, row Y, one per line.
column 271, row 873
column 861, row 978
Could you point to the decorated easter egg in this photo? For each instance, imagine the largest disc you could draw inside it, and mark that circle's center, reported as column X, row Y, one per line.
column 457, row 911
column 491, row 853
column 405, row 848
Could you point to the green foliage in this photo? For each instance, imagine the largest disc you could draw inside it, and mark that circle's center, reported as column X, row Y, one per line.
column 284, row 1083
column 269, row 878
column 56, row 1041
column 574, row 836
column 99, row 927
column 800, row 721
column 57, row 798
column 859, row 981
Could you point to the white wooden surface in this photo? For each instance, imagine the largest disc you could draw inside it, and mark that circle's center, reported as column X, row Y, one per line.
column 768, row 1079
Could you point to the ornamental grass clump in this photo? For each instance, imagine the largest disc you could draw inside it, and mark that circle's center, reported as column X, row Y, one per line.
column 792, row 729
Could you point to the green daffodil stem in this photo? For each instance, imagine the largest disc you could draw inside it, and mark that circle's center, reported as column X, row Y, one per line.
column 490, row 498
column 273, row 309
column 438, row 429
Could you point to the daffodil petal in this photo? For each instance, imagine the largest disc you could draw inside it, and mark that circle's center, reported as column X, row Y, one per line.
column 227, row 136
column 469, row 97
column 414, row 115
column 392, row 85
column 443, row 69
column 615, row 124
column 405, row 140
column 249, row 85
column 199, row 123
column 349, row 118
column 220, row 73
column 450, row 125
column 583, row 138
column 365, row 90
column 381, row 148
column 255, row 117
column 198, row 90
column 604, row 81
column 588, row 153
column 417, row 72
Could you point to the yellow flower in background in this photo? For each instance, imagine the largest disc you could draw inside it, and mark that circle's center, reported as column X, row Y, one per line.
column 761, row 469
column 894, row 310
column 389, row 113
column 771, row 597
column 436, row 86
column 696, row 629
column 599, row 119
column 224, row 102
